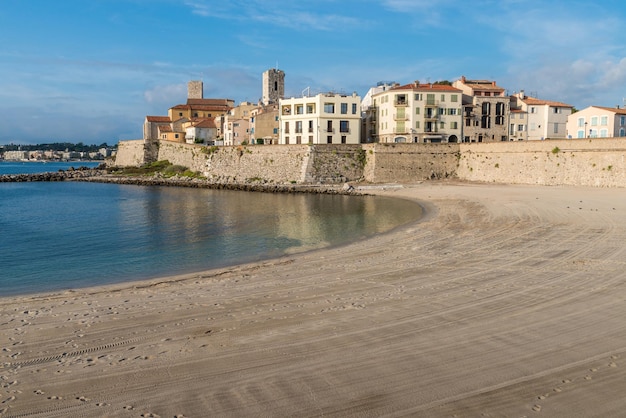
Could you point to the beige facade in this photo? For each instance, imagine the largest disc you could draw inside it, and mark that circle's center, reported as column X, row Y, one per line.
column 486, row 110
column 327, row 118
column 597, row 122
column 265, row 125
column 545, row 118
column 420, row 113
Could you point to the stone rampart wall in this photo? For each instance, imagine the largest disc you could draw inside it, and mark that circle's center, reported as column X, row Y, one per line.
column 577, row 162
column 130, row 153
column 407, row 163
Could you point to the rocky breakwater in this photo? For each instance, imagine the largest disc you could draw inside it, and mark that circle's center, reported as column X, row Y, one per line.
column 61, row 175
column 201, row 183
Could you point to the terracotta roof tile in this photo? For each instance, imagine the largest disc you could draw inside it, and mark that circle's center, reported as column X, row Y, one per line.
column 619, row 111
column 538, row 102
column 161, row 119
column 426, row 87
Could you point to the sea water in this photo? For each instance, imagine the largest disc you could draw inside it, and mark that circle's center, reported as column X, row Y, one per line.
column 63, row 235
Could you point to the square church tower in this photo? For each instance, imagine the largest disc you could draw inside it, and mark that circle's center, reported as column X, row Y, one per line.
column 194, row 90
column 273, row 86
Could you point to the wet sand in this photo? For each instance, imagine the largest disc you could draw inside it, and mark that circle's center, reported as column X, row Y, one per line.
column 502, row 301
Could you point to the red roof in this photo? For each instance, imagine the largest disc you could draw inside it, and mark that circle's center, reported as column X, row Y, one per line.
column 427, row 87
column 159, row 119
column 613, row 109
column 538, row 102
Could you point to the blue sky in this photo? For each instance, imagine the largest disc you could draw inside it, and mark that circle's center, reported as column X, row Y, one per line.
column 91, row 70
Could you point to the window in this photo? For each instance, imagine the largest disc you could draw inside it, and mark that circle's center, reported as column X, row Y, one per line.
column 329, row 107
column 622, row 132
column 512, row 130
column 443, row 97
column 286, row 127
column 441, row 111
column 442, row 125
column 344, row 108
column 287, row 140
column 454, row 98
column 453, row 125
column 354, row 108
column 310, row 108
column 485, row 122
column 298, row 139
column 180, row 114
column 417, row 110
column 430, row 99
column 581, row 122
column 520, row 128
column 329, row 126
column 486, row 108
column 468, row 122
column 594, row 121
column 556, row 128
column 417, row 124
column 533, row 110
column 604, row 133
column 622, row 120
column 299, row 109
column 175, row 135
column 581, row 134
column 329, row 139
column 452, row 112
column 401, row 99
column 343, row 139
column 418, row 96
column 604, row 120
column 275, row 131
column 299, row 127
column 310, row 126
column 558, row 110
column 487, row 93
column 344, row 126
column 499, row 109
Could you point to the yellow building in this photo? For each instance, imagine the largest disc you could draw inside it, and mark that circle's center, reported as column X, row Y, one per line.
column 417, row 113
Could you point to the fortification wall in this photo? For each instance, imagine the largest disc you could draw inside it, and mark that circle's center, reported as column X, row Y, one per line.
column 595, row 162
column 576, row 162
column 269, row 163
column 130, row 153
column 406, row 163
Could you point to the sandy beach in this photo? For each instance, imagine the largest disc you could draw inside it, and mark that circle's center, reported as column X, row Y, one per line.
column 503, row 301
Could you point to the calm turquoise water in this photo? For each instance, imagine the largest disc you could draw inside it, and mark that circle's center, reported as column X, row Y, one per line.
column 62, row 235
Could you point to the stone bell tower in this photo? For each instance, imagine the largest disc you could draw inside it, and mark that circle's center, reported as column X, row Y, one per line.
column 273, row 86
column 194, row 90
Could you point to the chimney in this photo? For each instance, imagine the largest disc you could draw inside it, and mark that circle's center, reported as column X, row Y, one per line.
column 463, row 79
column 416, row 83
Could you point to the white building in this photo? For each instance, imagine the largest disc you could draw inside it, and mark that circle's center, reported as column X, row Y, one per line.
column 545, row 118
column 597, row 122
column 328, row 118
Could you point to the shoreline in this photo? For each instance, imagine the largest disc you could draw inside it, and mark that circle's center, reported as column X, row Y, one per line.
column 502, row 300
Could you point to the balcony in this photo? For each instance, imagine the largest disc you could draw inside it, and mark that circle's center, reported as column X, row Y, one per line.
column 431, row 116
column 400, row 116
column 431, row 103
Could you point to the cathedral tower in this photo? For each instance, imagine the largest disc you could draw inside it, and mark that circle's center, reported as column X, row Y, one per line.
column 273, row 86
